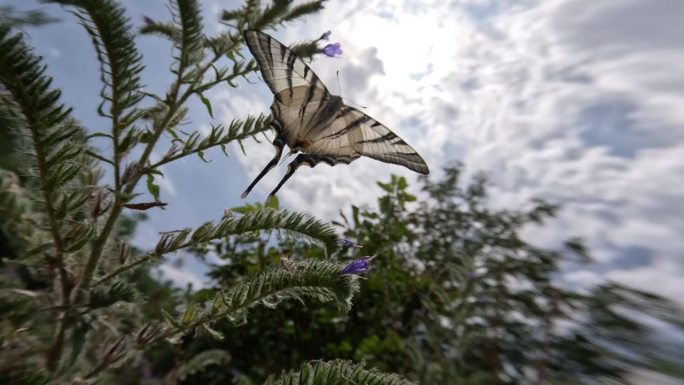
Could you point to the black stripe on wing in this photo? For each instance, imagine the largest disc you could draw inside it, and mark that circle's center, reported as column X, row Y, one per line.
column 355, row 124
column 380, row 143
column 280, row 67
column 389, row 137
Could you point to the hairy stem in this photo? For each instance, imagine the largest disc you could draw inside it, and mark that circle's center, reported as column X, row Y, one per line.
column 174, row 103
column 124, row 268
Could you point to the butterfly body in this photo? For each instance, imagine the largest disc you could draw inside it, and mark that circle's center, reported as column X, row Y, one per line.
column 309, row 121
column 316, row 124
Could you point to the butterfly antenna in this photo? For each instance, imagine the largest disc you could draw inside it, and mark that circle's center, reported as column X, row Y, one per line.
column 339, row 87
column 357, row 104
column 285, row 157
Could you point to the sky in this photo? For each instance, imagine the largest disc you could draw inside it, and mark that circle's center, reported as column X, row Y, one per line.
column 574, row 101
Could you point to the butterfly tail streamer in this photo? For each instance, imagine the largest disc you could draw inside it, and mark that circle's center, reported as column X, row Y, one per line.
column 300, row 160
column 279, row 144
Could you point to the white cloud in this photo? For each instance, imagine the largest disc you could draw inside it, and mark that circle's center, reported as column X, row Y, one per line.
column 180, row 277
column 575, row 101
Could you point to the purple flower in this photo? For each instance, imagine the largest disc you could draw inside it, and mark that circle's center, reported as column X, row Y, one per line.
column 148, row 20
column 325, row 36
column 348, row 243
column 358, row 266
column 333, row 50
column 2, row 87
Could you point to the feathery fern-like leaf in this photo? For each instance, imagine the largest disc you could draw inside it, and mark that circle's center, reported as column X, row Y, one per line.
column 201, row 361
column 55, row 142
column 120, row 61
column 311, row 280
column 337, row 372
column 253, row 16
column 120, row 67
column 191, row 45
column 119, row 291
column 219, row 136
column 296, row 224
column 319, row 280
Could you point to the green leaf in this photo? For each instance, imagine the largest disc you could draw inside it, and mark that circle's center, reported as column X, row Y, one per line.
column 170, row 319
column 119, row 291
column 206, row 103
column 385, row 186
column 218, row 336
column 189, row 315
column 201, row 156
column 78, row 338
column 152, row 187
column 272, row 202
column 402, row 184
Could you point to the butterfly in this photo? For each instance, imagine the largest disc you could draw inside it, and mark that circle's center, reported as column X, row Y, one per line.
column 316, row 124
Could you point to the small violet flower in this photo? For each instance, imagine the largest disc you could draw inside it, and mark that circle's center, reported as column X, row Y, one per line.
column 148, row 20
column 358, row 266
column 325, row 36
column 333, row 50
column 348, row 243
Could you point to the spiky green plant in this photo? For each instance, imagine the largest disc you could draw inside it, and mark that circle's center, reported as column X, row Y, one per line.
column 73, row 312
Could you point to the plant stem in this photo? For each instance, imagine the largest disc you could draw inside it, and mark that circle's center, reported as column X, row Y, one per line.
column 174, row 102
column 123, row 268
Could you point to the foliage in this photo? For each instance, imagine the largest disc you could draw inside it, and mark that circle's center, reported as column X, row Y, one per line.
column 455, row 296
column 15, row 18
column 78, row 302
column 335, row 372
